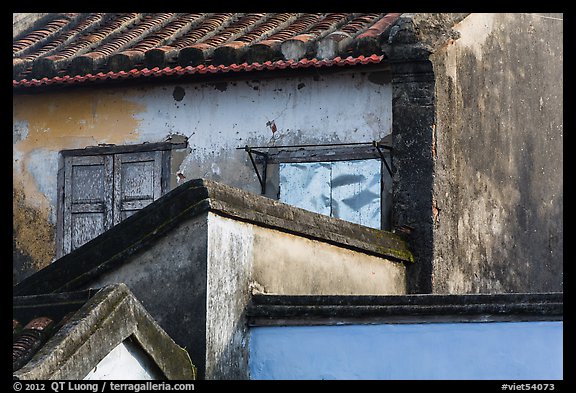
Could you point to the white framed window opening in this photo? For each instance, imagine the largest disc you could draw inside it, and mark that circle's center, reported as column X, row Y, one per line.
column 349, row 181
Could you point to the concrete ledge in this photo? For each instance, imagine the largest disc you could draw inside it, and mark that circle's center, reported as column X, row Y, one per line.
column 239, row 204
column 191, row 199
column 271, row 310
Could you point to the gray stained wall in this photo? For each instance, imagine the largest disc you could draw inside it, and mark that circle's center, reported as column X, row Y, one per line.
column 498, row 154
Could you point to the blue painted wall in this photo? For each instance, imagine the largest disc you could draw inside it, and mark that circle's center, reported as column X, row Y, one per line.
column 492, row 350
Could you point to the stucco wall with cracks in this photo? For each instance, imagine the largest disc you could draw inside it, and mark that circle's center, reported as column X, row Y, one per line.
column 43, row 125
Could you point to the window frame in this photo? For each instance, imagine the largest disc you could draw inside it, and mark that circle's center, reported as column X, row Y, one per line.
column 274, row 156
column 64, row 177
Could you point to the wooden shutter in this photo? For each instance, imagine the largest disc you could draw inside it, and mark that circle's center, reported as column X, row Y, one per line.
column 88, row 197
column 137, row 182
column 101, row 190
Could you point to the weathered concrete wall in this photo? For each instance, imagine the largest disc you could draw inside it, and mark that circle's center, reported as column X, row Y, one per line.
column 413, row 91
column 197, row 281
column 230, row 259
column 215, row 117
column 43, row 125
column 498, row 187
column 192, row 255
column 293, row 265
column 169, row 279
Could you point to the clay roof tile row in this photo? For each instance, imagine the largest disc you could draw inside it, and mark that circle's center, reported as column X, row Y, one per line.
column 27, row 340
column 72, row 48
column 201, row 69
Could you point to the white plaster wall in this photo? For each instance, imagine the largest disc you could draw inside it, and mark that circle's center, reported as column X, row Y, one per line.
column 217, row 117
column 345, row 107
column 126, row 361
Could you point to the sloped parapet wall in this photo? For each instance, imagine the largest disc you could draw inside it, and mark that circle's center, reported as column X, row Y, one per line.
column 195, row 256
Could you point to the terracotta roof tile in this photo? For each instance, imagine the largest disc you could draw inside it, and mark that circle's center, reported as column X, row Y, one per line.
column 28, row 340
column 72, row 48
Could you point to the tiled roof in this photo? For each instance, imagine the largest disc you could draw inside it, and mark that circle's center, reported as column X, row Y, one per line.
column 26, row 341
column 74, row 47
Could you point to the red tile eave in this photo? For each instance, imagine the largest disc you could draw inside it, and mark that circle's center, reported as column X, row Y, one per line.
column 201, row 69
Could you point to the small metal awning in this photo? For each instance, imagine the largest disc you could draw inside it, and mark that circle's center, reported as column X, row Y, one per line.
column 315, row 152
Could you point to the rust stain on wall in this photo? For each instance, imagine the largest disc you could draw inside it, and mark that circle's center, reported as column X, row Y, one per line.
column 54, row 122
column 75, row 119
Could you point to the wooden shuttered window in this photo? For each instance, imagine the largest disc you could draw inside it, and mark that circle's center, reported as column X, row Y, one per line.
column 101, row 190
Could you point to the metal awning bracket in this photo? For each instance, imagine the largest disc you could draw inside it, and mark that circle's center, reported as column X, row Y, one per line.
column 377, row 145
column 261, row 177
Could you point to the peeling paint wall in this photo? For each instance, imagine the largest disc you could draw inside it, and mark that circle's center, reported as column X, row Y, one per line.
column 220, row 117
column 32, row 237
column 216, row 117
column 498, row 187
